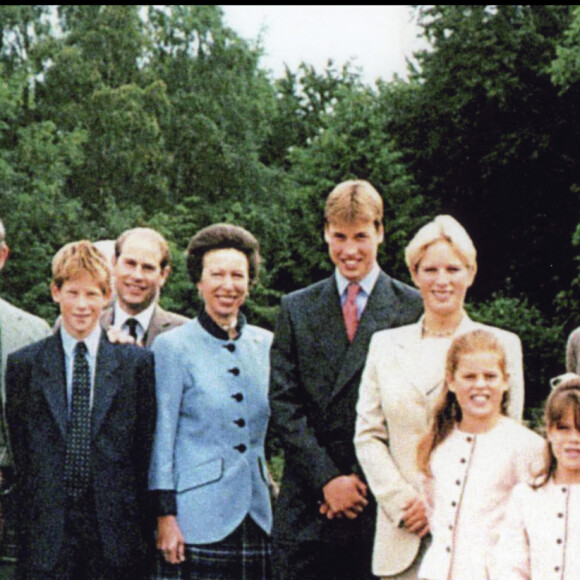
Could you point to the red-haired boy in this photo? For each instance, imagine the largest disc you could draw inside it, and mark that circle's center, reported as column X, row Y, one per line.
column 81, row 415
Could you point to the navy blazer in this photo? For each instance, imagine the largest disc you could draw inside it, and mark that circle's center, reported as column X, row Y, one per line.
column 123, row 422
column 314, row 382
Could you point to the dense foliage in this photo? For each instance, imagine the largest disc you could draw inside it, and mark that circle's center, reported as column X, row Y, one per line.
column 117, row 116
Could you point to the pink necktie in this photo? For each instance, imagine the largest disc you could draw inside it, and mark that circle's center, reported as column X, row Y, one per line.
column 349, row 310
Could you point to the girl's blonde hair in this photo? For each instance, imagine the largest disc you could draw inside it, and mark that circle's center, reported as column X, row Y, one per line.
column 564, row 396
column 447, row 410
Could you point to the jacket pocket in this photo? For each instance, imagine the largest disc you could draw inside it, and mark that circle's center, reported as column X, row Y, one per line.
column 199, row 475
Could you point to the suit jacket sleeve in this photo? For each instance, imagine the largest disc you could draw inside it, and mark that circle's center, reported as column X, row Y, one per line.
column 290, row 407
column 169, row 392
column 17, row 380
column 146, row 415
column 389, row 487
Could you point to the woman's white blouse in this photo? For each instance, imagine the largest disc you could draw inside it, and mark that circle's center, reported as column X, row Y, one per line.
column 473, row 476
column 540, row 538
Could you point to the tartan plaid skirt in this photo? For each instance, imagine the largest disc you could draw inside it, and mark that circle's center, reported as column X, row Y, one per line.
column 243, row 555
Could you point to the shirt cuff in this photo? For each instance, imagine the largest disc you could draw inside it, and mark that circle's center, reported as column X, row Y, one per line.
column 164, row 502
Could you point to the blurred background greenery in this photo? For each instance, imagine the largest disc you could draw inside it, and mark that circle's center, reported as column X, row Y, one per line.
column 118, row 116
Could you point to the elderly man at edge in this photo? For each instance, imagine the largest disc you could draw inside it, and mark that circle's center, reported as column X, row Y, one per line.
column 17, row 329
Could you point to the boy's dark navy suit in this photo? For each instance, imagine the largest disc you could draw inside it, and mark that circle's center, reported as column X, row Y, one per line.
column 123, row 421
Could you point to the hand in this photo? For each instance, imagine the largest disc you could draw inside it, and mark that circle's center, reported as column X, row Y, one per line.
column 170, row 541
column 117, row 336
column 325, row 510
column 344, row 495
column 415, row 517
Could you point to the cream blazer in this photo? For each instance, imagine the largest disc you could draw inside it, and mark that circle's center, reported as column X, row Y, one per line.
column 540, row 534
column 401, row 383
column 473, row 476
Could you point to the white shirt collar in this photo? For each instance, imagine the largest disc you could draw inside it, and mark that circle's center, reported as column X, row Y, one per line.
column 91, row 341
column 143, row 318
column 367, row 283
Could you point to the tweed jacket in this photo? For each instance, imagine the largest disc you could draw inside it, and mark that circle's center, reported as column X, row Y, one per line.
column 394, row 410
column 17, row 329
column 473, row 476
column 314, row 387
column 122, row 425
column 540, row 534
column 161, row 321
column 212, row 397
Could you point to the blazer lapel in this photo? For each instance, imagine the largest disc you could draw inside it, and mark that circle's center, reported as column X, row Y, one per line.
column 378, row 314
column 326, row 322
column 53, row 378
column 107, row 382
column 156, row 326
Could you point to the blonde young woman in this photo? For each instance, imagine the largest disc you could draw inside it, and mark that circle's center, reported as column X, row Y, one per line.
column 401, row 383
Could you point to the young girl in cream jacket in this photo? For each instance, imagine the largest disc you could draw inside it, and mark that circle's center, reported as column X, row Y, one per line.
column 540, row 538
column 472, row 458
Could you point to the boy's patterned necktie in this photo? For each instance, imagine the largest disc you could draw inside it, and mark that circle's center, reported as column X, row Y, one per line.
column 78, row 444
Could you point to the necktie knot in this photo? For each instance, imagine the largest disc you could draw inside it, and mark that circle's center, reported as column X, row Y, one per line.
column 352, row 291
column 132, row 325
column 80, row 349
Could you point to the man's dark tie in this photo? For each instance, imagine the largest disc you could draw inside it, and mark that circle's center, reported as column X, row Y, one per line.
column 349, row 310
column 78, row 445
column 132, row 324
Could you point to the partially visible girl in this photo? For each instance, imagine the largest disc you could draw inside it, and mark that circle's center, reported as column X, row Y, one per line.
column 471, row 458
column 541, row 532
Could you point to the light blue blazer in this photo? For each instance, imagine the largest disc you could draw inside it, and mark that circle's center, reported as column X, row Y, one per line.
column 212, row 398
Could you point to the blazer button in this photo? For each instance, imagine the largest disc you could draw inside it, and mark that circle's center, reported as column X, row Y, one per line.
column 559, row 541
column 457, row 482
column 453, row 504
column 240, row 423
column 238, row 397
column 560, row 515
column 469, row 439
column 241, row 448
column 462, row 460
column 231, row 347
column 235, row 371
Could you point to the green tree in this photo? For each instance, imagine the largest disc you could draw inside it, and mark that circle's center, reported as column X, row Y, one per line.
column 565, row 68
column 347, row 142
column 489, row 140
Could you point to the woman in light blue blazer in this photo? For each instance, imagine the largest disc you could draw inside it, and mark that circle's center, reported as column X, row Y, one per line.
column 208, row 468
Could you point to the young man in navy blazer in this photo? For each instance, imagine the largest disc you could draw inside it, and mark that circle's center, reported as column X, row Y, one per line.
column 324, row 518
column 81, row 512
